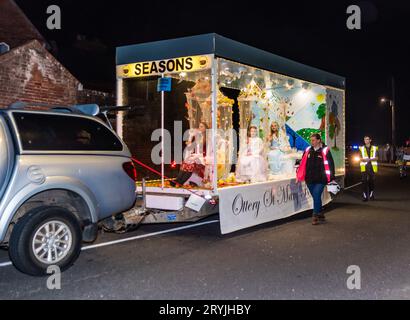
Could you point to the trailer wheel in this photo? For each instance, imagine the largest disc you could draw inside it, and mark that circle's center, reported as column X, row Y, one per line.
column 45, row 236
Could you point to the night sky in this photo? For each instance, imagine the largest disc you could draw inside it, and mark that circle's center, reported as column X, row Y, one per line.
column 310, row 32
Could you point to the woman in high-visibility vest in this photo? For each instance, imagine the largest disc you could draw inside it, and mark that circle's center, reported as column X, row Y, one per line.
column 317, row 169
column 368, row 167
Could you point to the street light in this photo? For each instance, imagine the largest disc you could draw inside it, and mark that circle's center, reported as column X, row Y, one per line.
column 393, row 112
column 393, row 120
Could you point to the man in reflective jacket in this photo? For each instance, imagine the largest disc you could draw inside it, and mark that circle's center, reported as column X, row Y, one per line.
column 368, row 167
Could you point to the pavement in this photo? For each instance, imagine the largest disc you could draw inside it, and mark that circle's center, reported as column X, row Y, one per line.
column 289, row 259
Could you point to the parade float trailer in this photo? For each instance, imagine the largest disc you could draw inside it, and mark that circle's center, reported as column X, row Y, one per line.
column 229, row 86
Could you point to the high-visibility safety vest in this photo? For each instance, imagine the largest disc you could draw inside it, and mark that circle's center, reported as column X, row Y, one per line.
column 325, row 151
column 373, row 151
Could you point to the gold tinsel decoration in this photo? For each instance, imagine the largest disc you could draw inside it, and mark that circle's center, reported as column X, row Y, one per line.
column 252, row 90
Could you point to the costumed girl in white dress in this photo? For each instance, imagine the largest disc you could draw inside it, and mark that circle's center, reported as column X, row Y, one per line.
column 252, row 165
column 279, row 148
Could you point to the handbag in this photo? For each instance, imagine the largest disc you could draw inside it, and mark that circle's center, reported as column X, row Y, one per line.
column 301, row 170
column 333, row 188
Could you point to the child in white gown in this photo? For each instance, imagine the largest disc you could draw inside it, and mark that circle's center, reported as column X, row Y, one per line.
column 252, row 164
column 278, row 148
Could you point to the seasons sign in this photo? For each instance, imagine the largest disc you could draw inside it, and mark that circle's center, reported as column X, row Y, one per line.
column 151, row 68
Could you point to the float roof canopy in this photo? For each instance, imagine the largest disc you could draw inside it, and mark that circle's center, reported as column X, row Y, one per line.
column 213, row 43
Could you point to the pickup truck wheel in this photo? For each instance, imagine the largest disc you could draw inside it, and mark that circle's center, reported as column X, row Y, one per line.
column 45, row 236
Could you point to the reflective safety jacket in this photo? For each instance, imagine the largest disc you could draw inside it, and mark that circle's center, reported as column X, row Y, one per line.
column 373, row 154
column 316, row 166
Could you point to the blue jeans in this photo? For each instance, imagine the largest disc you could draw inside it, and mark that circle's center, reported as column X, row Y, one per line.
column 316, row 190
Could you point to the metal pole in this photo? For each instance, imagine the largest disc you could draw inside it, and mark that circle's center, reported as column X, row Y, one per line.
column 214, row 88
column 144, row 195
column 162, row 139
column 120, row 102
column 393, row 112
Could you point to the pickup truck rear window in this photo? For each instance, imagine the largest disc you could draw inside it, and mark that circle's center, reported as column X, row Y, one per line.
column 45, row 132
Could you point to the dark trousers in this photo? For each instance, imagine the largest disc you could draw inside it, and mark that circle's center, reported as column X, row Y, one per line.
column 183, row 177
column 368, row 182
column 316, row 190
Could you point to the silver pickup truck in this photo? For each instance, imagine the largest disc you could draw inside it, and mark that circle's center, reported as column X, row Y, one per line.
column 60, row 174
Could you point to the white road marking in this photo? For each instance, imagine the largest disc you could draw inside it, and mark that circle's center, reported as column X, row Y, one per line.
column 5, row 264
column 109, row 243
column 355, row 185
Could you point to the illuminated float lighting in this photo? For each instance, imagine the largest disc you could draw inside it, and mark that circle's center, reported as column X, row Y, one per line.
column 289, row 84
column 305, row 86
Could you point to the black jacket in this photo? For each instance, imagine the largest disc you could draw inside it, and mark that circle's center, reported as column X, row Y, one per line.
column 315, row 169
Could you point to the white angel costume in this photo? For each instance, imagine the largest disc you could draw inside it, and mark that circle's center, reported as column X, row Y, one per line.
column 278, row 148
column 252, row 165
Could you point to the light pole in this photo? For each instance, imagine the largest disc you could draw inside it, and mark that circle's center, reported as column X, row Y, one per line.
column 393, row 112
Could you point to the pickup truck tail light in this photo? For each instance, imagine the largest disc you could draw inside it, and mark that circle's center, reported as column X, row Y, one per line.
column 129, row 168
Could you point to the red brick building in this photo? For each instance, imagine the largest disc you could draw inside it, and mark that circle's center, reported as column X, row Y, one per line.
column 29, row 72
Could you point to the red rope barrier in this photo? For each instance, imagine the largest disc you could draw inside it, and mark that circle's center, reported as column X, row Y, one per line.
column 148, row 167
column 159, row 173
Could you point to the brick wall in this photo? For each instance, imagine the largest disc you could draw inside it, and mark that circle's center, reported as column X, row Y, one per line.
column 93, row 96
column 30, row 73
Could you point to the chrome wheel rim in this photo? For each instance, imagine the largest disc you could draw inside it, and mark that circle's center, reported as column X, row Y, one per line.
column 51, row 242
